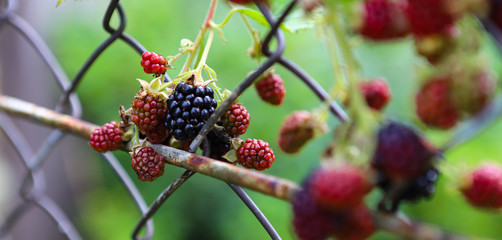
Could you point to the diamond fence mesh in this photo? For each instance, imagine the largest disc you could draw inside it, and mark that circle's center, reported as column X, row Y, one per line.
column 34, row 183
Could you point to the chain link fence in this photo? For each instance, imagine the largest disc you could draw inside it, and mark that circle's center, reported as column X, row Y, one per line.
column 34, row 183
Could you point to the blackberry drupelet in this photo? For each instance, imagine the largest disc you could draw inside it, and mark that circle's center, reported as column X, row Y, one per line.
column 189, row 107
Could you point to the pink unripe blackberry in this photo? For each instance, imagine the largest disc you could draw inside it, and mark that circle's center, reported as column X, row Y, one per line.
column 147, row 164
column 483, row 187
column 271, row 89
column 340, row 186
column 106, row 138
column 434, row 106
column 296, row 131
column 376, row 92
column 256, row 154
column 153, row 63
column 236, row 119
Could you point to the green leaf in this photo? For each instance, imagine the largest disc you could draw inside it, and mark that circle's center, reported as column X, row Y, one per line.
column 297, row 21
column 258, row 17
column 59, row 2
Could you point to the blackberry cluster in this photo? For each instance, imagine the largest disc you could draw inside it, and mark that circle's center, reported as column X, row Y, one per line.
column 422, row 187
column 189, row 107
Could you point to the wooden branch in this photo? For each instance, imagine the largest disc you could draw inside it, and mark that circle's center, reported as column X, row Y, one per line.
column 263, row 183
column 46, row 116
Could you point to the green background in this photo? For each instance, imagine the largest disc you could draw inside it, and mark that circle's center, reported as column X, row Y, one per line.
column 204, row 208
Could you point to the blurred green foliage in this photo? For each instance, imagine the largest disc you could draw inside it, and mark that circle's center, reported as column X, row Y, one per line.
column 205, row 208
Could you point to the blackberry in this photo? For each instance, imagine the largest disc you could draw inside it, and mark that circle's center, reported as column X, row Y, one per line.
column 147, row 164
column 189, row 107
column 255, row 153
column 218, row 145
column 106, row 138
column 483, row 186
column 339, row 187
column 422, row 187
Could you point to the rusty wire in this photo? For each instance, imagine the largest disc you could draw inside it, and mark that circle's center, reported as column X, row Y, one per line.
column 33, row 188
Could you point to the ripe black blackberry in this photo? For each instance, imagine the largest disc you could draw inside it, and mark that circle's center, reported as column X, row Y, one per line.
column 421, row 187
column 219, row 145
column 189, row 107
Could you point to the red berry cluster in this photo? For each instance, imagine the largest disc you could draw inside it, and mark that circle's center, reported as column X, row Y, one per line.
column 331, row 205
column 271, row 89
column 106, row 138
column 256, row 154
column 153, row 63
column 147, row 164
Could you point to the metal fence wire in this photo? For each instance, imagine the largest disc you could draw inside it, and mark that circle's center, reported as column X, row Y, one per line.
column 33, row 187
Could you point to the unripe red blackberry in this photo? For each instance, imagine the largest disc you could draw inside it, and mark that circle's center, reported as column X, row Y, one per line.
column 296, row 131
column 483, row 187
column 149, row 113
column 310, row 221
column 255, row 153
column 106, row 138
column 429, row 16
column 236, row 119
column 147, row 164
column 271, row 89
column 354, row 224
column 376, row 92
column 153, row 63
column 383, row 20
column 434, row 106
column 339, row 187
column 189, row 107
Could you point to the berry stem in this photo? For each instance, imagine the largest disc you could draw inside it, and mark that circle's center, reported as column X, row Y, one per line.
column 200, row 36
column 254, row 36
column 337, row 91
column 202, row 62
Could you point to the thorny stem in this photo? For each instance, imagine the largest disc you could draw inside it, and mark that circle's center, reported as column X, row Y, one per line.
column 263, row 183
column 200, row 36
